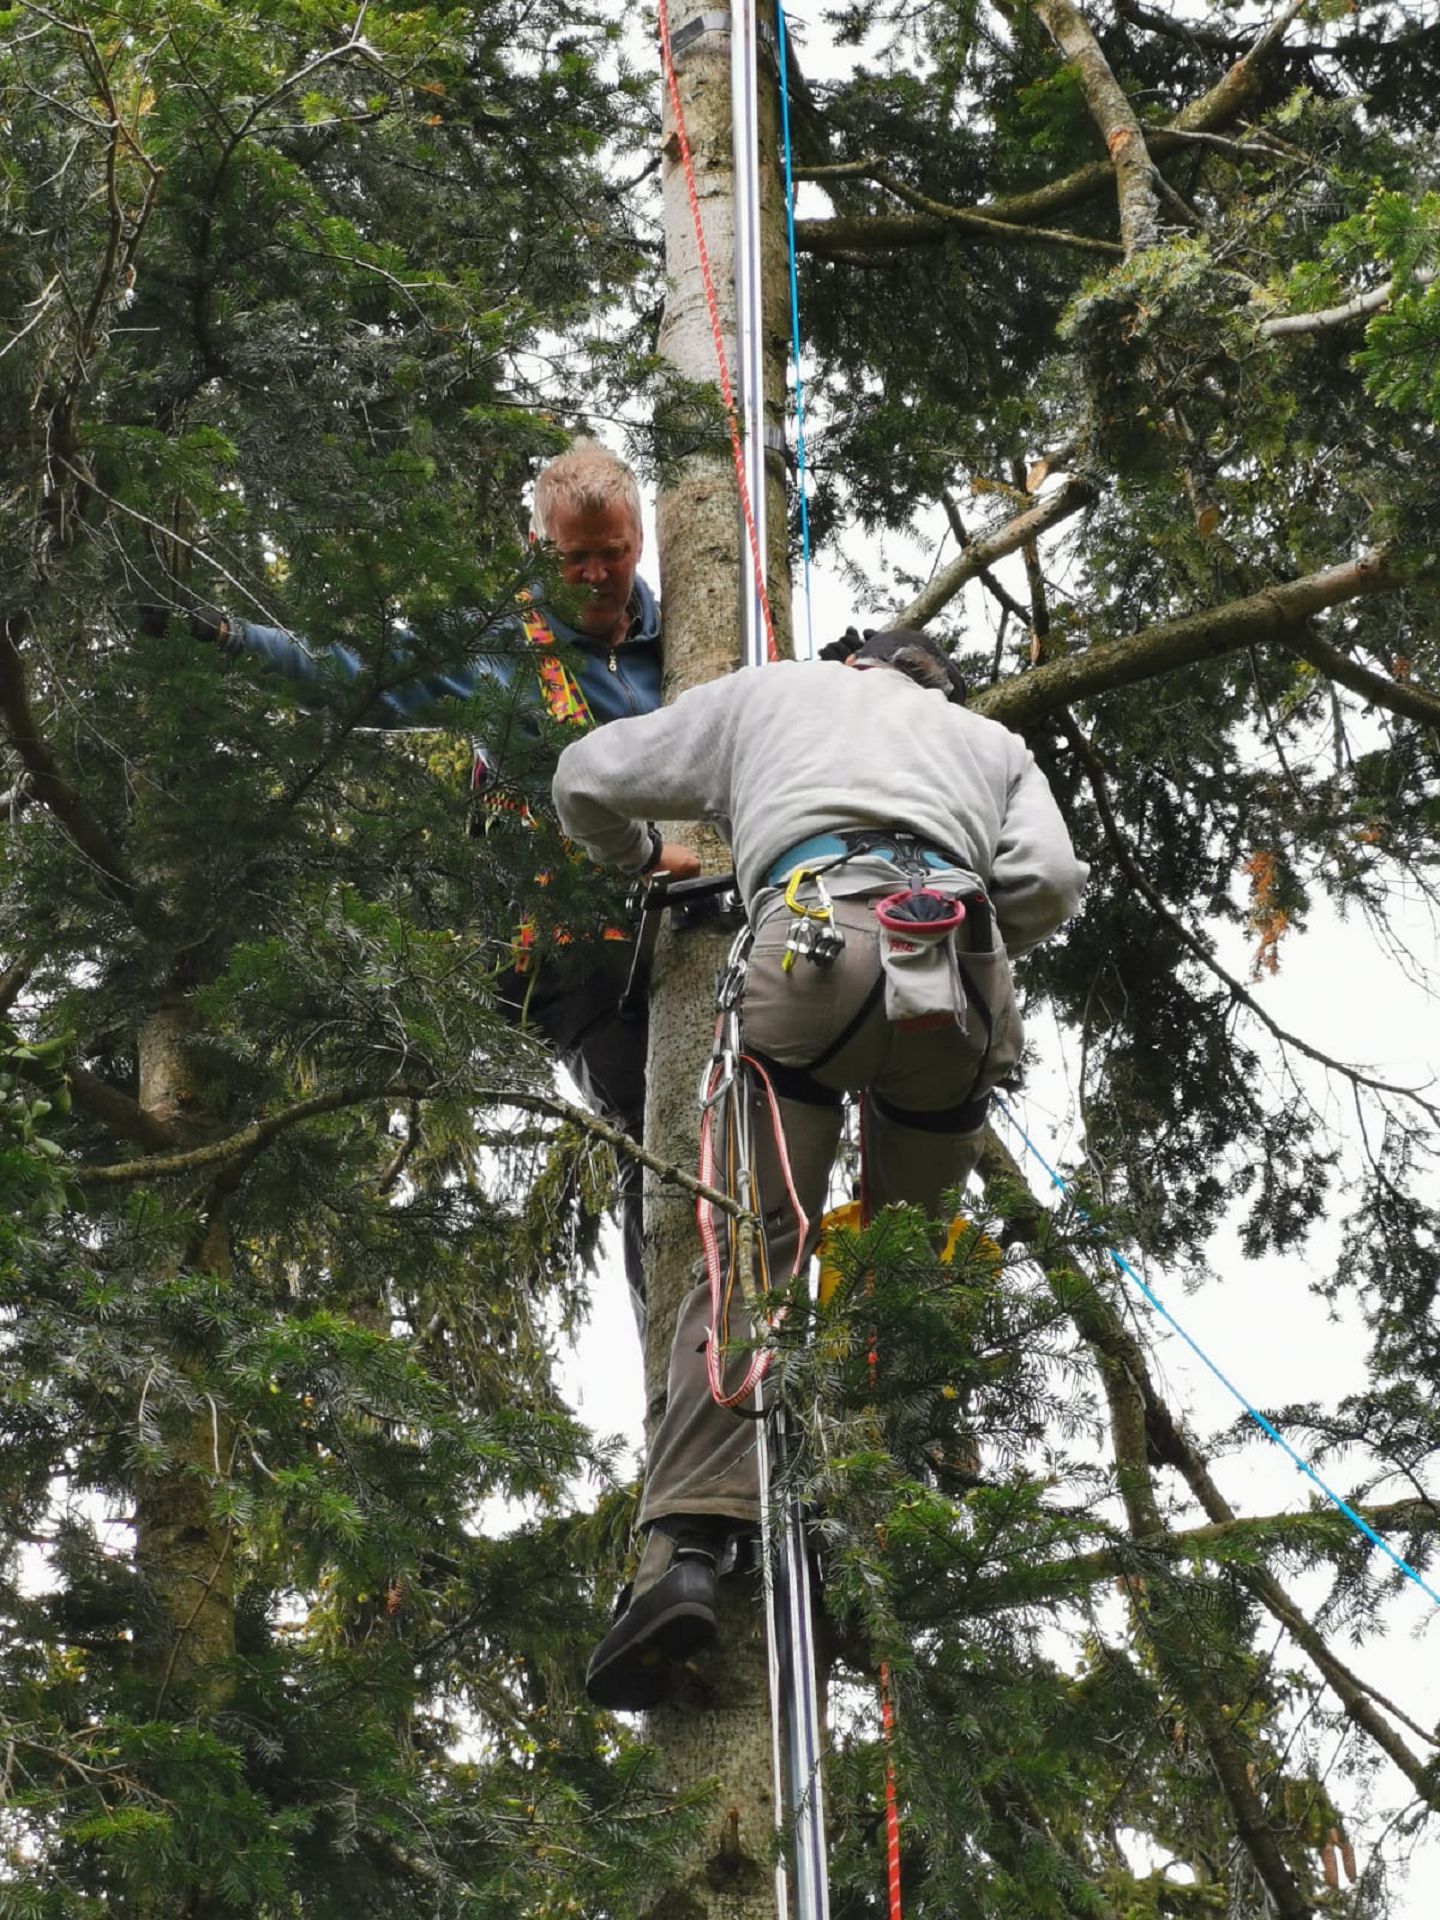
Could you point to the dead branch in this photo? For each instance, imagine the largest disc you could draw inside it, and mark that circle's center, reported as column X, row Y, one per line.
column 1357, row 307
column 1143, row 885
column 986, row 548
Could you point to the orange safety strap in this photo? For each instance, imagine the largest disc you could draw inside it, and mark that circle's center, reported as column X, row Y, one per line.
column 561, row 693
column 558, row 686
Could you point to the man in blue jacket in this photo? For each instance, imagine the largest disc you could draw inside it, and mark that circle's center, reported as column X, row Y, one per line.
column 587, row 506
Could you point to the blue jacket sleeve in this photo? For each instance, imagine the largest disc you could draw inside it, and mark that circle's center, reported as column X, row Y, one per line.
column 330, row 677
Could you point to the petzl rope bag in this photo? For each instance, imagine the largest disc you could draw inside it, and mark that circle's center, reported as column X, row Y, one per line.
column 917, row 952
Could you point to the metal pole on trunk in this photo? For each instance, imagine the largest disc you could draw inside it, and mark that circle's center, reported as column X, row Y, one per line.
column 749, row 325
column 794, row 1694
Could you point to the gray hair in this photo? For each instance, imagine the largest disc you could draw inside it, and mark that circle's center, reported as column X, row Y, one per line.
column 588, row 478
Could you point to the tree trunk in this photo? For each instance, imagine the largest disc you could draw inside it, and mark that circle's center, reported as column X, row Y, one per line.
column 184, row 1553
column 717, row 1729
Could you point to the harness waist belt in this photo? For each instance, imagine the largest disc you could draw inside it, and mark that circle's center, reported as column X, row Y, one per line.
column 857, row 840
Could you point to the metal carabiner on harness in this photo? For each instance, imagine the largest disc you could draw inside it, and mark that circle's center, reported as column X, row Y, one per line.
column 718, row 1074
column 813, row 933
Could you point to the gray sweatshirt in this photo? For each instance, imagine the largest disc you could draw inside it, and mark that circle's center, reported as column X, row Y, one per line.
column 770, row 756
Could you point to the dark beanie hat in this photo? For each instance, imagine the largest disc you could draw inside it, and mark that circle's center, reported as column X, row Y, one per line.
column 919, row 655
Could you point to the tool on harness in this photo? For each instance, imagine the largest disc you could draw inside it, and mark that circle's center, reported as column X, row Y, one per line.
column 813, row 934
column 923, row 987
column 690, row 903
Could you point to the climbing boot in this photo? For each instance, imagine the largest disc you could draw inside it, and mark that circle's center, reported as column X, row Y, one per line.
column 665, row 1614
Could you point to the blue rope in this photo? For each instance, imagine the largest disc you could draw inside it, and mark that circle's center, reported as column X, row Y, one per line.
column 795, row 333
column 1272, row 1433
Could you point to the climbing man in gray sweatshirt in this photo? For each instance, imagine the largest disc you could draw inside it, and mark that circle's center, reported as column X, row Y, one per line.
column 894, row 851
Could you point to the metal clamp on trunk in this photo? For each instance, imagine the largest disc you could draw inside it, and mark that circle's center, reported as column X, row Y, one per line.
column 713, row 899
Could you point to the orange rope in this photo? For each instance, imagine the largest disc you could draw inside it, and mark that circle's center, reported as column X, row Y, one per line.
column 727, row 391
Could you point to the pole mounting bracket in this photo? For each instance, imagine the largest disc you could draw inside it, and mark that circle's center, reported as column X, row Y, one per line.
column 712, row 20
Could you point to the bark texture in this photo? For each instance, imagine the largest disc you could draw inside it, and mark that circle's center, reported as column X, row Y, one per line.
column 182, row 1550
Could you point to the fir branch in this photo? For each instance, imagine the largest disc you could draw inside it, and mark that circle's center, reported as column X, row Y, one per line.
column 1143, row 885
column 1219, row 107
column 251, row 1139
column 1274, row 614
column 1227, row 1541
column 1100, row 1325
column 962, row 219
column 1400, row 696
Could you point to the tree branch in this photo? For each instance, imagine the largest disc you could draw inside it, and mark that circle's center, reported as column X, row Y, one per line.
column 1274, row 614
column 1115, row 117
column 47, row 782
column 249, row 1140
column 1219, row 1539
column 121, row 1114
column 1400, row 696
column 988, row 547
column 966, row 219
column 1355, row 308
column 1099, row 1325
column 1143, row 885
column 1219, row 107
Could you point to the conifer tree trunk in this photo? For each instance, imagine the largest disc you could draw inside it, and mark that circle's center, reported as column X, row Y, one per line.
column 183, row 1551
column 718, row 1728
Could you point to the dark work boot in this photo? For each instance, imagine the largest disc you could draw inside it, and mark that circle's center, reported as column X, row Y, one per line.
column 665, row 1614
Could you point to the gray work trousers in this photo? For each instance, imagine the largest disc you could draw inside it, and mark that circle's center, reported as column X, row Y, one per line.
column 573, row 997
column 922, row 1124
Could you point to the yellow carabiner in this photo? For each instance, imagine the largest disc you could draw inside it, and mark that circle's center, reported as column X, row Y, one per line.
column 796, row 881
column 821, row 911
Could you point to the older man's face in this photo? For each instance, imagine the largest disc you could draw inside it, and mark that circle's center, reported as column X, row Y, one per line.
column 599, row 552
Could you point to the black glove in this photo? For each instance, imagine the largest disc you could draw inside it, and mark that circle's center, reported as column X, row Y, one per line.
column 850, row 642
column 207, row 624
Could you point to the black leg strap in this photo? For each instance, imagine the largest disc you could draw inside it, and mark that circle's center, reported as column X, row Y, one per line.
column 853, row 1025
column 965, row 1118
column 795, row 1083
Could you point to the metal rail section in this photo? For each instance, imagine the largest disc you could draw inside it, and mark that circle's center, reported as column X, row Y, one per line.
column 749, row 322
column 794, row 1695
